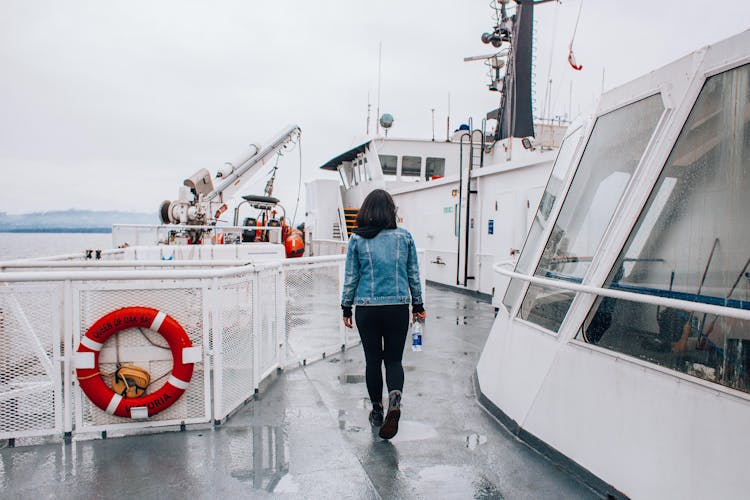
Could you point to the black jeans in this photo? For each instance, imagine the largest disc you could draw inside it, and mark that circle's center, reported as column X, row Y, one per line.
column 383, row 332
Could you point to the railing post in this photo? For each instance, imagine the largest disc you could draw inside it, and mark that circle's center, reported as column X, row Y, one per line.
column 257, row 326
column 216, row 339
column 342, row 274
column 67, row 333
column 281, row 314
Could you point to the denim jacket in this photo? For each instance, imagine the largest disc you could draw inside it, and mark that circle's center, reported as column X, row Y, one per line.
column 382, row 270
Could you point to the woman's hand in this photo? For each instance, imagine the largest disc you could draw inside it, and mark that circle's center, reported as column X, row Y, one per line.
column 347, row 321
column 419, row 316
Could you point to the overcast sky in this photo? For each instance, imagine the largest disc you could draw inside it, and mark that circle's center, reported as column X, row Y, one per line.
column 110, row 105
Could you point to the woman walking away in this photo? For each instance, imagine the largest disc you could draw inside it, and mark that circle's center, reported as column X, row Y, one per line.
column 382, row 278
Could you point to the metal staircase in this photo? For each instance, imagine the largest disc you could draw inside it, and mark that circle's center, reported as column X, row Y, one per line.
column 350, row 215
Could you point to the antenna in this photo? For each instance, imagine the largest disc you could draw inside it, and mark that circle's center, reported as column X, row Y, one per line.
column 433, row 124
column 368, row 115
column 380, row 53
column 448, row 120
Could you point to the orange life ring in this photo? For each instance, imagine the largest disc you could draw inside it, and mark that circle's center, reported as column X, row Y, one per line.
column 134, row 317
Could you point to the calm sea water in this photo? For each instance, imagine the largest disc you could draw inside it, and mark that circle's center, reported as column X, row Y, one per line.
column 26, row 245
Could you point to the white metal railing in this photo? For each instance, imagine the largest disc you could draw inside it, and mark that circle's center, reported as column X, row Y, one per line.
column 102, row 264
column 701, row 307
column 327, row 247
column 160, row 234
column 248, row 320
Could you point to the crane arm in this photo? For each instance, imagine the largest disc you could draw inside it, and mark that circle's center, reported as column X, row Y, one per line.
column 233, row 179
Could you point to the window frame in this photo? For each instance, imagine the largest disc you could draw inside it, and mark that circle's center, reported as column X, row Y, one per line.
column 588, row 303
column 677, row 112
column 426, row 178
column 566, row 180
column 382, row 167
column 643, row 162
column 411, row 177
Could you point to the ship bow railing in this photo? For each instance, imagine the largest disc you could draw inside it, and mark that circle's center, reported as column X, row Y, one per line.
column 247, row 321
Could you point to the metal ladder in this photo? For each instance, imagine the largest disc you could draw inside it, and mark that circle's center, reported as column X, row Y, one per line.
column 475, row 160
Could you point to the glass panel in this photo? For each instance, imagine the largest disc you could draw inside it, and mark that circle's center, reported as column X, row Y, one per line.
column 411, row 166
column 538, row 225
column 388, row 164
column 545, row 306
column 691, row 242
column 617, row 143
column 356, row 173
column 434, row 167
column 714, row 348
column 368, row 173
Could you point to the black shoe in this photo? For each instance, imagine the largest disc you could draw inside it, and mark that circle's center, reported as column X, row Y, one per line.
column 376, row 415
column 390, row 424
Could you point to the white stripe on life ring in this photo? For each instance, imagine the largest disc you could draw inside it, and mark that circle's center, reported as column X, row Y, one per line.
column 92, row 344
column 84, row 360
column 113, row 404
column 180, row 384
column 158, row 320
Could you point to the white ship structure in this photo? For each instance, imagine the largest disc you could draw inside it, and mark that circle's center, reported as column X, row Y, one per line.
column 623, row 341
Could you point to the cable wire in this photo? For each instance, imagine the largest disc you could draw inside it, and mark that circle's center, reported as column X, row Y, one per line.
column 299, row 181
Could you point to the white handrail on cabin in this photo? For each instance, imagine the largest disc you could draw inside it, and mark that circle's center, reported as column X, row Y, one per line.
column 730, row 312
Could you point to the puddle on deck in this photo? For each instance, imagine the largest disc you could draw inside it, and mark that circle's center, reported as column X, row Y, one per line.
column 259, row 456
column 448, row 481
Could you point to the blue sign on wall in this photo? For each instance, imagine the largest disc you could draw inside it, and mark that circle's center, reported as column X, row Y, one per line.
column 491, row 226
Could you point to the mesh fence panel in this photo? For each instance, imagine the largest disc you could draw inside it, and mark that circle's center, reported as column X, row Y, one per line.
column 313, row 315
column 268, row 334
column 30, row 375
column 234, row 381
column 145, row 348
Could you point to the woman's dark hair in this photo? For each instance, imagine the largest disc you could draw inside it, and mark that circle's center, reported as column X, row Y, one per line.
column 378, row 210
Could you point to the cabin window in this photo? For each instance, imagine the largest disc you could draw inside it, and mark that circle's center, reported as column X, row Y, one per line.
column 356, row 173
column 368, row 173
column 434, row 167
column 411, row 166
column 615, row 148
column 388, row 163
column 541, row 219
column 691, row 242
column 362, row 173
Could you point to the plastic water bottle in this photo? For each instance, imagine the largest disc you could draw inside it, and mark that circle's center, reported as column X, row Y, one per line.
column 416, row 336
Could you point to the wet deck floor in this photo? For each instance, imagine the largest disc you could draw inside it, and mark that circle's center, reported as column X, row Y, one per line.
column 308, row 437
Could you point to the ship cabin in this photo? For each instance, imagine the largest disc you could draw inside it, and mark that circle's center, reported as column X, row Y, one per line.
column 626, row 324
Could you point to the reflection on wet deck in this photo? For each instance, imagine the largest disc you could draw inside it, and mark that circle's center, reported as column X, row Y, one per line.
column 259, row 456
column 308, row 437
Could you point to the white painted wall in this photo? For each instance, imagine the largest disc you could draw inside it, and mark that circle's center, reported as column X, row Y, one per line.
column 644, row 430
column 323, row 204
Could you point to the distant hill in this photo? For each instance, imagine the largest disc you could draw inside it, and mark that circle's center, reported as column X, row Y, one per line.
column 72, row 221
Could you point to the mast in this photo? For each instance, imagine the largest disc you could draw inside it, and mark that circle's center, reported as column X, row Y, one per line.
column 377, row 117
column 515, row 116
column 367, row 127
